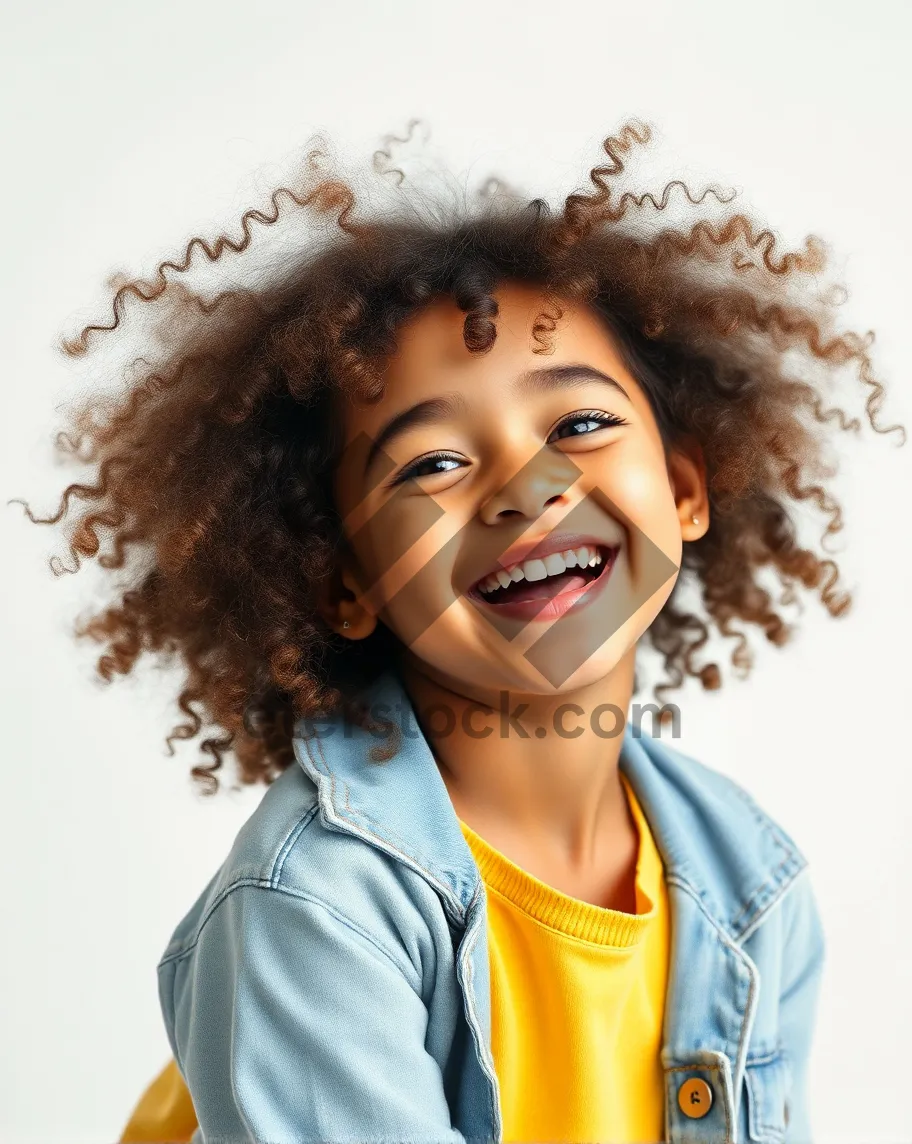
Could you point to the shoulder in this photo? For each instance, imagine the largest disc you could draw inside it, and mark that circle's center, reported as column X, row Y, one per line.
column 256, row 855
column 288, row 851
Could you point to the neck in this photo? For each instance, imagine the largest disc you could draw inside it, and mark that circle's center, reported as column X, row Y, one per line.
column 544, row 779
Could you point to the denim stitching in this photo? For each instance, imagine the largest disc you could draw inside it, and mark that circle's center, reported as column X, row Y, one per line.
column 773, row 1055
column 300, row 895
column 748, row 1026
column 185, row 949
column 784, row 887
column 468, row 998
column 288, row 845
column 719, row 926
column 758, row 899
column 407, row 858
column 765, row 823
column 773, row 1132
column 728, row 943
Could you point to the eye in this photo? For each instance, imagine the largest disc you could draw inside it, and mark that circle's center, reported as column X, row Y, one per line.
column 431, row 464
column 582, row 422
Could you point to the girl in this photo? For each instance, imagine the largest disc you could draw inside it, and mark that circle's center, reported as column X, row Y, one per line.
column 409, row 508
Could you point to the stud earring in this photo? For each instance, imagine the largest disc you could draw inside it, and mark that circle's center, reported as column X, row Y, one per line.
column 346, row 624
column 695, row 519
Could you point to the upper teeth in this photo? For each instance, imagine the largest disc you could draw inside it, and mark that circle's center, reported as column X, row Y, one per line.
column 532, row 570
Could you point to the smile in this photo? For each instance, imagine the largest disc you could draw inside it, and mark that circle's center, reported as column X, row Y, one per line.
column 545, row 587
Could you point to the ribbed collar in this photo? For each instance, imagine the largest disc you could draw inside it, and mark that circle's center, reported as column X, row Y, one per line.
column 566, row 914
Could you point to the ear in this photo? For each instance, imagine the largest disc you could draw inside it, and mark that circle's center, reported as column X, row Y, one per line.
column 341, row 605
column 687, row 473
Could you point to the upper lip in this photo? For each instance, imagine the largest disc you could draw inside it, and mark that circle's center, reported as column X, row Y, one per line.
column 544, row 546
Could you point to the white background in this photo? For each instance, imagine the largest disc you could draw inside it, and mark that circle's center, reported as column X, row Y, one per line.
column 130, row 127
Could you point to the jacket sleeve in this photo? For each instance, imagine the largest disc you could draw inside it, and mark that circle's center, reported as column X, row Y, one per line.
column 291, row 1024
column 803, row 962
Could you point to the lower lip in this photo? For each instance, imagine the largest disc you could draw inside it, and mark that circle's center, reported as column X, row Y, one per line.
column 556, row 606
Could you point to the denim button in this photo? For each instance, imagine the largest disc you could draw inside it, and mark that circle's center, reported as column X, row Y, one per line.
column 695, row 1098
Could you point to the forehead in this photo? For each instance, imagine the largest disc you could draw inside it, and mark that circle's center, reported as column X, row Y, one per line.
column 432, row 355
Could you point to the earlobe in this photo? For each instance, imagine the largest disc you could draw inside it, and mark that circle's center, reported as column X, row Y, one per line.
column 694, row 528
column 359, row 623
column 342, row 609
column 693, row 513
column 691, row 497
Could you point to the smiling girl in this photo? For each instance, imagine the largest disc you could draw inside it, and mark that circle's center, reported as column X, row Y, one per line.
column 409, row 510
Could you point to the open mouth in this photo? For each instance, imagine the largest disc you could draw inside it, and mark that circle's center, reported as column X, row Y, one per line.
column 542, row 579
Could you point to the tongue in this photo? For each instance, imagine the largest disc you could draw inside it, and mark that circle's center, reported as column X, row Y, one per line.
column 542, row 589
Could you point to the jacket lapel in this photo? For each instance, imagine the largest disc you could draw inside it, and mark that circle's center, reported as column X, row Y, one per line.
column 725, row 862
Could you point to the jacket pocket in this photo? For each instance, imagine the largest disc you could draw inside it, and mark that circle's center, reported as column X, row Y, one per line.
column 767, row 1082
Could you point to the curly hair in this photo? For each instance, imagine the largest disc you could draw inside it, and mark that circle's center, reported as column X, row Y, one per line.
column 211, row 468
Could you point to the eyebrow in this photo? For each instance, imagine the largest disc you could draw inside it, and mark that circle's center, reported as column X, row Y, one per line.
column 558, row 376
column 438, row 408
column 424, row 413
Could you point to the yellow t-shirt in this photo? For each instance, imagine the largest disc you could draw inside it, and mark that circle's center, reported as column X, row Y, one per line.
column 577, row 1002
column 577, row 1005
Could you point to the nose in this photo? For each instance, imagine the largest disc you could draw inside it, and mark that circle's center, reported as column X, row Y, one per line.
column 542, row 481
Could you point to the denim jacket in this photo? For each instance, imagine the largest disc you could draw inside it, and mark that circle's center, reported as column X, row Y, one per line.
column 331, row 981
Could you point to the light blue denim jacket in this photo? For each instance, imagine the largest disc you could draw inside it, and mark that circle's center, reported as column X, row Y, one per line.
column 331, row 982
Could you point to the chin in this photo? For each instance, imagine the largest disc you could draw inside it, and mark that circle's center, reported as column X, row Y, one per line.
column 522, row 678
column 595, row 670
column 471, row 666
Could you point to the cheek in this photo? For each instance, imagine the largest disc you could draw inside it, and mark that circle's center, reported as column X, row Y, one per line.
column 406, row 567
column 638, row 489
column 637, row 482
column 396, row 540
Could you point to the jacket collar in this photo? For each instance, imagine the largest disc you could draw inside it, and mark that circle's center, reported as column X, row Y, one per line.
column 714, row 840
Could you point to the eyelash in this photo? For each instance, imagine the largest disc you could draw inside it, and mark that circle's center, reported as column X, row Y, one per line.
column 411, row 471
column 604, row 420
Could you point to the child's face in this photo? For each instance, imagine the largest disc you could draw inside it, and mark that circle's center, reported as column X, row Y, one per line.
column 466, row 467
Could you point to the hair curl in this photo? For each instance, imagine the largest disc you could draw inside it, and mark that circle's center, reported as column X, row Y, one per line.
column 211, row 468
